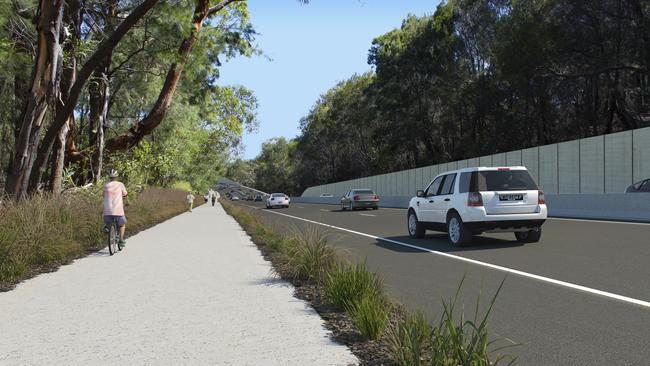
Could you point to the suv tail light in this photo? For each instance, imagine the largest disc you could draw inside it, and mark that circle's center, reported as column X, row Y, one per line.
column 474, row 199
column 356, row 198
column 541, row 200
column 376, row 197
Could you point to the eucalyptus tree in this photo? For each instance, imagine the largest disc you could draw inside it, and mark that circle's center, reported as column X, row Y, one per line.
column 88, row 33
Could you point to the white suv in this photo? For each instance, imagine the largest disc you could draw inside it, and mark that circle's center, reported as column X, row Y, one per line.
column 471, row 201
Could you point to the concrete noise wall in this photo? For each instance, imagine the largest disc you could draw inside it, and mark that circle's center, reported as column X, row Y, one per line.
column 600, row 164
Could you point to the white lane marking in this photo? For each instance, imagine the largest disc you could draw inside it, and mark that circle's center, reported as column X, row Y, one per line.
column 570, row 285
column 325, row 210
column 299, row 206
column 601, row 221
column 369, row 215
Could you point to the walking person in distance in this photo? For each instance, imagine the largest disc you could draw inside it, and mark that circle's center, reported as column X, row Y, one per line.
column 190, row 200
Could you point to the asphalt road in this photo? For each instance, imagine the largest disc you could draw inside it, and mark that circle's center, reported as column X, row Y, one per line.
column 581, row 296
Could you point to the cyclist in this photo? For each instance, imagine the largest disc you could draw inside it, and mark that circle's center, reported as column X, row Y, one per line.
column 114, row 194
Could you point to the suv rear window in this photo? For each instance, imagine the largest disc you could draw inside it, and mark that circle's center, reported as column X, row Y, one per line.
column 496, row 180
column 277, row 195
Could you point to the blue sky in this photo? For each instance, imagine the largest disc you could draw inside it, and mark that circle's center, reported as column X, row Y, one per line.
column 312, row 47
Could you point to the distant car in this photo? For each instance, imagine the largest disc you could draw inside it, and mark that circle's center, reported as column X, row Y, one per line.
column 471, row 201
column 277, row 199
column 360, row 198
column 235, row 198
column 258, row 198
column 249, row 198
column 326, row 195
column 639, row 187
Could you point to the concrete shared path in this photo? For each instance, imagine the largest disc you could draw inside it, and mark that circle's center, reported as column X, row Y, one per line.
column 193, row 290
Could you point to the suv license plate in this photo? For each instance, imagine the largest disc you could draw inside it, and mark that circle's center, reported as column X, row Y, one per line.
column 511, row 197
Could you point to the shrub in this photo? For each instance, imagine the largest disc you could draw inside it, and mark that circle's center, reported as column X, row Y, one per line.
column 346, row 285
column 307, row 255
column 182, row 186
column 370, row 315
column 409, row 338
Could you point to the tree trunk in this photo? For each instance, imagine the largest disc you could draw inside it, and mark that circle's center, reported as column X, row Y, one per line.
column 42, row 89
column 99, row 93
column 72, row 21
column 100, row 123
column 103, row 51
column 58, row 161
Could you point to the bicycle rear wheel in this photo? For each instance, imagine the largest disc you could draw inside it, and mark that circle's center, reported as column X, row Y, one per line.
column 112, row 241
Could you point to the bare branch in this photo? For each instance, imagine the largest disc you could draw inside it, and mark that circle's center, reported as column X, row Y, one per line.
column 220, row 6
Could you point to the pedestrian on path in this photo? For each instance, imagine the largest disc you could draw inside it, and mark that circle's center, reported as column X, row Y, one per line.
column 190, row 200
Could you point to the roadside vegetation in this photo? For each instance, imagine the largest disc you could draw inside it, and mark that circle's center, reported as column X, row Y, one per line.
column 351, row 298
column 44, row 231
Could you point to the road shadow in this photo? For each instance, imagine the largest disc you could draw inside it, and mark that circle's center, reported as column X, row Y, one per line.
column 439, row 243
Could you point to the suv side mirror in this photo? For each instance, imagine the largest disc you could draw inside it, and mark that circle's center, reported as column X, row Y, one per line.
column 420, row 193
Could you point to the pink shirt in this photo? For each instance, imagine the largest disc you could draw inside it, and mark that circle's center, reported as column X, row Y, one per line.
column 113, row 193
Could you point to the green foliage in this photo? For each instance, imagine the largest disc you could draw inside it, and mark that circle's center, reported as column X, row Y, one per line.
column 308, row 256
column 370, row 316
column 205, row 123
column 451, row 342
column 183, row 186
column 273, row 166
column 346, row 285
column 409, row 339
column 465, row 342
column 242, row 171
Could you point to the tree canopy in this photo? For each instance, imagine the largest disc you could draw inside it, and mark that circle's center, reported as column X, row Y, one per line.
column 123, row 84
column 481, row 77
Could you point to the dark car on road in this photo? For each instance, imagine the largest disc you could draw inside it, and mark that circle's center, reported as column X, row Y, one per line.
column 642, row 186
column 258, row 198
column 360, row 198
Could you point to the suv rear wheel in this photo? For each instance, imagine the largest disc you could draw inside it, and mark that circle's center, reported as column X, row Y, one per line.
column 530, row 236
column 456, row 231
column 416, row 229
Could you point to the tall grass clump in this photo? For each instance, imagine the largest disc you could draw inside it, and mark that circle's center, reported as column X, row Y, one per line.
column 370, row 315
column 453, row 341
column 43, row 231
column 466, row 342
column 308, row 256
column 409, row 339
column 347, row 284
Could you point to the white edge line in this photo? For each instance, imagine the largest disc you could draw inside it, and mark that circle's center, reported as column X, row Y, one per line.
column 549, row 218
column 600, row 221
column 610, row 295
column 369, row 215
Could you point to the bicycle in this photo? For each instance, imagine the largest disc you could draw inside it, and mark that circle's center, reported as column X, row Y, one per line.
column 113, row 236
